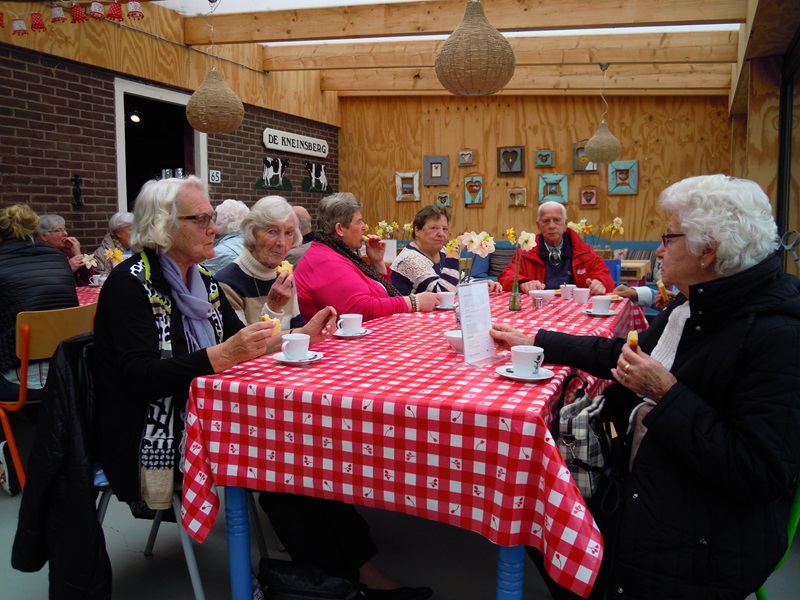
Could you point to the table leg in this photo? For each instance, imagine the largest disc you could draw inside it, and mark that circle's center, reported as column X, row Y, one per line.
column 510, row 572
column 238, row 543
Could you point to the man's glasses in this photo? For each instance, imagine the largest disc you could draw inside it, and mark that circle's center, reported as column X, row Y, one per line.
column 203, row 220
column 58, row 230
column 666, row 238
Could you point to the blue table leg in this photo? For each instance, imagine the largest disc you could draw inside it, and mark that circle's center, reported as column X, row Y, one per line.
column 510, row 572
column 238, row 543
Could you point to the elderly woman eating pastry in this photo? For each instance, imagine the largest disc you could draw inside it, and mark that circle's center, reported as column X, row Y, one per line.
column 331, row 273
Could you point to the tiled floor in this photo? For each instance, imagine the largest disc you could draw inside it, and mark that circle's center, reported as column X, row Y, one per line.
column 457, row 564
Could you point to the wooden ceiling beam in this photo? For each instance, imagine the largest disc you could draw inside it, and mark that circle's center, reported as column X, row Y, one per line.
column 443, row 16
column 563, row 93
column 678, row 47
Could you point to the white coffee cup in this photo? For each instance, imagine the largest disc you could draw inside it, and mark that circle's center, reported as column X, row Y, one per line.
column 349, row 323
column 98, row 279
column 601, row 305
column 295, row 346
column 447, row 299
column 566, row 290
column 580, row 295
column 526, row 360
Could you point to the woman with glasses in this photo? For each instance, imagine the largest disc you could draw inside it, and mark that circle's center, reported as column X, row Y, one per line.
column 422, row 266
column 53, row 231
column 708, row 403
column 162, row 320
column 560, row 256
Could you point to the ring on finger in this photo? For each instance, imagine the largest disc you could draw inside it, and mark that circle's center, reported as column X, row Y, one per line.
column 624, row 376
column 628, row 366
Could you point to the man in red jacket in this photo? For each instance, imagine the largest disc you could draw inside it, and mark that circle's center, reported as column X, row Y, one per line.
column 557, row 258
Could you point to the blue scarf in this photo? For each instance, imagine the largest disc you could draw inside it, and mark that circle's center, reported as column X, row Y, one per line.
column 192, row 301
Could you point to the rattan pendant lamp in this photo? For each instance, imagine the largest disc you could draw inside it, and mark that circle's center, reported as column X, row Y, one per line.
column 603, row 147
column 214, row 107
column 476, row 60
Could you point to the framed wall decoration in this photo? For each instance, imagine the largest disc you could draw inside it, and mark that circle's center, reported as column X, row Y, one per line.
column 580, row 162
column 435, row 170
column 623, row 177
column 511, row 160
column 407, row 186
column 545, row 157
column 588, row 196
column 473, row 190
column 517, row 196
column 466, row 157
column 553, row 188
column 443, row 199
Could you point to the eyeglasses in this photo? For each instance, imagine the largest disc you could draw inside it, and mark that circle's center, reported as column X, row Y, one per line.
column 666, row 238
column 203, row 220
column 58, row 230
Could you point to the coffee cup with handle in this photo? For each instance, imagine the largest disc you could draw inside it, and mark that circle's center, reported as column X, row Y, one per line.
column 295, row 346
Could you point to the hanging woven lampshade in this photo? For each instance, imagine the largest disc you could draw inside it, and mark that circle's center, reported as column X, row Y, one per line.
column 476, row 60
column 603, row 147
column 214, row 107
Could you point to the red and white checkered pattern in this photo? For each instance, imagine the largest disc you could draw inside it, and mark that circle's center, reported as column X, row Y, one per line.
column 87, row 294
column 395, row 420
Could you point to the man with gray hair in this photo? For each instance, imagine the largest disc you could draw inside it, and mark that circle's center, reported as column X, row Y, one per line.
column 229, row 242
column 295, row 254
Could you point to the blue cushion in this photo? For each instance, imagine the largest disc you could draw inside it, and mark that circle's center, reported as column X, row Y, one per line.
column 615, row 268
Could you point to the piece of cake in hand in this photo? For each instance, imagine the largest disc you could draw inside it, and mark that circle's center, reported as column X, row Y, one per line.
column 275, row 330
column 284, row 266
column 633, row 340
column 662, row 289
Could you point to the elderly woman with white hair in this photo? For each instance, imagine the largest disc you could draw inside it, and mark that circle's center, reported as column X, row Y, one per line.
column 53, row 231
column 229, row 242
column 710, row 400
column 162, row 320
column 116, row 245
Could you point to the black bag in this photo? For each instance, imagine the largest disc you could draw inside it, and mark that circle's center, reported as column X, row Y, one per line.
column 284, row 580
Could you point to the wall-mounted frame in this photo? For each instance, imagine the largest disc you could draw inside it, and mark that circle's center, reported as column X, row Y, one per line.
column 580, row 162
column 623, row 177
column 473, row 190
column 466, row 157
column 553, row 188
column 443, row 199
column 588, row 196
column 545, row 157
column 435, row 170
column 511, row 160
column 407, row 186
column 517, row 196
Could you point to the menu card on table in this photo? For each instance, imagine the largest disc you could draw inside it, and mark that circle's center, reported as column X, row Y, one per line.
column 476, row 322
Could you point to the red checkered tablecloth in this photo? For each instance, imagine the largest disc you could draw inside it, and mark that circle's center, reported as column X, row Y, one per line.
column 396, row 420
column 87, row 294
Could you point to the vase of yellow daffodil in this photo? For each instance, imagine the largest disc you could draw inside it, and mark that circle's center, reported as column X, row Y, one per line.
column 526, row 241
column 608, row 233
column 481, row 244
column 115, row 256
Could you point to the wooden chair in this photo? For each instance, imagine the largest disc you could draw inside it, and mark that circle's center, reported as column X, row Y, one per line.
column 794, row 518
column 38, row 334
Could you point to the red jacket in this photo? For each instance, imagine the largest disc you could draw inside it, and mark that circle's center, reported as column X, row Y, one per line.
column 585, row 265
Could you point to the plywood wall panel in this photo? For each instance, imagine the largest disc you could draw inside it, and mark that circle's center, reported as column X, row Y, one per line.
column 672, row 138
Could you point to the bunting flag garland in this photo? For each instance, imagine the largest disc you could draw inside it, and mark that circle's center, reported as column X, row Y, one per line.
column 114, row 12
column 135, row 11
column 18, row 27
column 96, row 11
column 57, row 14
column 77, row 14
column 37, row 22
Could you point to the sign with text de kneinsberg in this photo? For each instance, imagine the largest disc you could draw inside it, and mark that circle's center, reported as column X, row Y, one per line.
column 298, row 144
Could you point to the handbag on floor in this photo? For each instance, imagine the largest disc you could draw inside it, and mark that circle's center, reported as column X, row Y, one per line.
column 285, row 580
column 582, row 437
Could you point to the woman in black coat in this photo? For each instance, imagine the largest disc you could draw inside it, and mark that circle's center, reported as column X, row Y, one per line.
column 710, row 401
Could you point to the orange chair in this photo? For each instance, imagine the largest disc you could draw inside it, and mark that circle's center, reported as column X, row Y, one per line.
column 38, row 334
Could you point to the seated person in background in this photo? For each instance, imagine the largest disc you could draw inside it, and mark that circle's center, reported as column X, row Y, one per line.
column 251, row 283
column 422, row 266
column 560, row 256
column 229, row 242
column 710, row 401
column 295, row 254
column 116, row 245
column 161, row 322
column 332, row 273
column 53, row 231
column 33, row 276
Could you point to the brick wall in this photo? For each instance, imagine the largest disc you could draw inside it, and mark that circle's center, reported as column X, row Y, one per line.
column 57, row 120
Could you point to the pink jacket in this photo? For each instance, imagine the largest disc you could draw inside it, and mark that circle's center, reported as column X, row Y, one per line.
column 324, row 278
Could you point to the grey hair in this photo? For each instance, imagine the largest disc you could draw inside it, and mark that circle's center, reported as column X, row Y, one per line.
column 119, row 221
column 269, row 211
column 549, row 204
column 229, row 216
column 155, row 214
column 732, row 214
column 49, row 220
column 336, row 208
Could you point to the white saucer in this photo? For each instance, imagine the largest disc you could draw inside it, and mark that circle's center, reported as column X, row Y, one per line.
column 506, row 371
column 312, row 358
column 92, row 285
column 610, row 313
column 447, row 307
column 342, row 334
